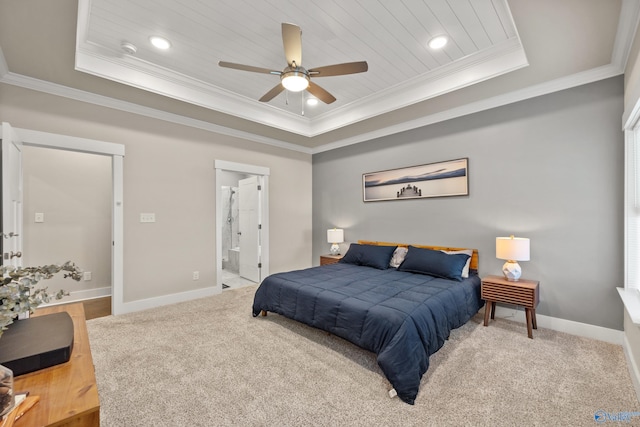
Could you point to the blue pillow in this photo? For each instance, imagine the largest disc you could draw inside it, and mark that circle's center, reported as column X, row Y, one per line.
column 369, row 255
column 434, row 263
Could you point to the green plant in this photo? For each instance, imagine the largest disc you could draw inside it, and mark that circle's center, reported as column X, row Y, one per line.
column 19, row 292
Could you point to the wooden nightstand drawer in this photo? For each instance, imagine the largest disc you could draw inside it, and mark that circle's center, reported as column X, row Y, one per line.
column 525, row 293
column 509, row 294
column 329, row 259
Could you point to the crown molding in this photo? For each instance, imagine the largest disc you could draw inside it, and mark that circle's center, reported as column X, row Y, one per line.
column 556, row 85
column 134, row 72
column 627, row 27
column 129, row 107
column 4, row 68
column 563, row 83
column 130, row 70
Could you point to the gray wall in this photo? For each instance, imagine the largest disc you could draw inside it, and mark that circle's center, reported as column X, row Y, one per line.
column 549, row 168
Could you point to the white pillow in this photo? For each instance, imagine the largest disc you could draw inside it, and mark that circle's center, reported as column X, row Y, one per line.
column 398, row 257
column 465, row 270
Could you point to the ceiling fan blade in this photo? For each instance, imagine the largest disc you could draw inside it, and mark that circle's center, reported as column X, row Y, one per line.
column 248, row 68
column 340, row 69
column 272, row 93
column 292, row 42
column 320, row 93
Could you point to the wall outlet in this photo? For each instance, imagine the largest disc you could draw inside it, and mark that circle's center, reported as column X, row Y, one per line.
column 196, row 275
column 86, row 276
column 147, row 217
column 39, row 217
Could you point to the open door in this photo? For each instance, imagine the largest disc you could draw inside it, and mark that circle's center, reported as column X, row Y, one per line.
column 249, row 227
column 11, row 197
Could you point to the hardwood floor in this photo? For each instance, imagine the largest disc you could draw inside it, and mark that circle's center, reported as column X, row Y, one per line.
column 97, row 307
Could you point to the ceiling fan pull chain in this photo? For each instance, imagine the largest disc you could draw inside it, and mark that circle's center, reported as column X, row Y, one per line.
column 302, row 101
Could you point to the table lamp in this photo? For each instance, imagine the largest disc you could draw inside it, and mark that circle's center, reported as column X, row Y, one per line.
column 512, row 249
column 335, row 236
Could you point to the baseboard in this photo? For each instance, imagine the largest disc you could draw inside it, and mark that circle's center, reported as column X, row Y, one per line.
column 145, row 304
column 82, row 295
column 612, row 336
column 562, row 325
column 634, row 372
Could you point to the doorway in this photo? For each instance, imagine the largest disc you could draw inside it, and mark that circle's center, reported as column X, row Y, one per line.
column 241, row 224
column 116, row 153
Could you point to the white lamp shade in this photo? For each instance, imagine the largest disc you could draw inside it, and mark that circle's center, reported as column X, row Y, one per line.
column 335, row 235
column 512, row 248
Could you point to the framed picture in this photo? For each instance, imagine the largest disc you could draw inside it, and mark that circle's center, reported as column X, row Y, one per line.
column 442, row 179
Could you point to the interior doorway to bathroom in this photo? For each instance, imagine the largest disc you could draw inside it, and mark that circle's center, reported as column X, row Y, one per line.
column 242, row 224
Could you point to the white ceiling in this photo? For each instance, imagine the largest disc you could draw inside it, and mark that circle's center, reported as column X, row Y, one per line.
column 500, row 51
column 391, row 36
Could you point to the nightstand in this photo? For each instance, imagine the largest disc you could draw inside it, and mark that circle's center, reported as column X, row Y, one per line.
column 523, row 292
column 329, row 259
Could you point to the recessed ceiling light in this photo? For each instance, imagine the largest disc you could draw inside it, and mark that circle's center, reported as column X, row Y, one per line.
column 160, row 42
column 438, row 42
column 312, row 101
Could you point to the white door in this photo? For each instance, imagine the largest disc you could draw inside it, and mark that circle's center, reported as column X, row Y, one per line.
column 11, row 197
column 249, row 228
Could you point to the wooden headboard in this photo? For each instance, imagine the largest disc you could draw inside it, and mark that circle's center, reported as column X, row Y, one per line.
column 474, row 258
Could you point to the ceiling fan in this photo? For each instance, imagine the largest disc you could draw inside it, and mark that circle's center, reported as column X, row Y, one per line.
column 294, row 77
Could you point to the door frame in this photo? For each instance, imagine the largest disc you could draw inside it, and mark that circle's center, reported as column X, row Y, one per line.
column 222, row 166
column 116, row 152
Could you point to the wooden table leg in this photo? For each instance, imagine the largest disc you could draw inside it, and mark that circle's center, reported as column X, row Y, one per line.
column 493, row 310
column 487, row 310
column 533, row 317
column 529, row 322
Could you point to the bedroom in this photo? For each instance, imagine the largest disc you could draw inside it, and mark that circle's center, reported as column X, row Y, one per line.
column 520, row 157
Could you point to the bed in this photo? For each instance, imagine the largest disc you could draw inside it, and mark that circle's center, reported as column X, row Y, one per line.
column 399, row 301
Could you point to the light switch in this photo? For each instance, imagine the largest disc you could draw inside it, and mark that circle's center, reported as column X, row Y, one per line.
column 147, row 217
column 39, row 217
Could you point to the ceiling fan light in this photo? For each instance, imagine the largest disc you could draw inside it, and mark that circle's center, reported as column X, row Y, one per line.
column 295, row 81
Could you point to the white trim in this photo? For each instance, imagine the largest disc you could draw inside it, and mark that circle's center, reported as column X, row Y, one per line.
column 4, row 67
column 563, row 83
column 159, row 301
column 71, row 143
column 612, row 336
column 241, row 168
column 631, row 301
column 62, row 142
column 627, row 27
column 117, row 254
column 567, row 82
column 83, row 295
column 634, row 372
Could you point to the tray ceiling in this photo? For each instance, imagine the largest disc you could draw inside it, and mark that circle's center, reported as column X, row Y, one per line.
column 391, row 36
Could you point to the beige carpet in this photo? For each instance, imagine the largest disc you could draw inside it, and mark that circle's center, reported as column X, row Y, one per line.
column 210, row 363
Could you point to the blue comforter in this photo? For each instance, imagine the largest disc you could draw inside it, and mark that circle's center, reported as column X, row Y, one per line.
column 402, row 317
